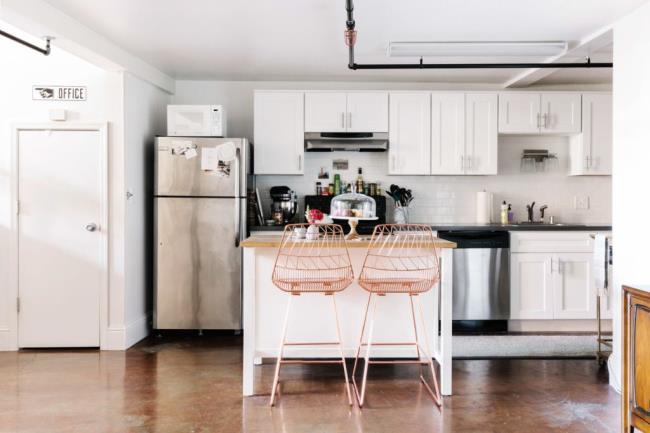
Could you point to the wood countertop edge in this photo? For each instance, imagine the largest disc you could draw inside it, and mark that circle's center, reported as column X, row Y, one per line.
column 267, row 241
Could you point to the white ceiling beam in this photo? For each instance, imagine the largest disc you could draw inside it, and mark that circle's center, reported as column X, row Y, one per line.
column 589, row 44
column 40, row 19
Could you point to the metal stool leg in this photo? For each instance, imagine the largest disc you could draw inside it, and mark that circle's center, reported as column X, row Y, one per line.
column 435, row 393
column 276, row 377
column 361, row 396
column 338, row 334
column 415, row 331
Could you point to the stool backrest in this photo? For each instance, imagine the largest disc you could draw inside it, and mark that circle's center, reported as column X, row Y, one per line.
column 401, row 258
column 313, row 265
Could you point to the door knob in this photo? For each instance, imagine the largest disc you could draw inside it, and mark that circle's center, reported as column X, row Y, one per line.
column 91, row 227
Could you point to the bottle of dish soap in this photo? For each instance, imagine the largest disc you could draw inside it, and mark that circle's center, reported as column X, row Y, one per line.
column 511, row 215
column 504, row 213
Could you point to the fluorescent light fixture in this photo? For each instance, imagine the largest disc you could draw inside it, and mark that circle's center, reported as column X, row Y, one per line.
column 476, row 49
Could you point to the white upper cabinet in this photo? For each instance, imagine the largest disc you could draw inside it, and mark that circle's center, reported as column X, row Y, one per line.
column 519, row 113
column 325, row 111
column 481, row 137
column 367, row 112
column 539, row 113
column 279, row 132
column 591, row 151
column 447, row 133
column 346, row 112
column 561, row 113
column 409, row 151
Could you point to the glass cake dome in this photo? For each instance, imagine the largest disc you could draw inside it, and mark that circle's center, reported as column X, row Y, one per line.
column 353, row 205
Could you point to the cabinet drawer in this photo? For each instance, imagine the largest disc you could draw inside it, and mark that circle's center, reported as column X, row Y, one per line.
column 551, row 242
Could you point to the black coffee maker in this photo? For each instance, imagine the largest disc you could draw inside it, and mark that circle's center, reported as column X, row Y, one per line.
column 284, row 205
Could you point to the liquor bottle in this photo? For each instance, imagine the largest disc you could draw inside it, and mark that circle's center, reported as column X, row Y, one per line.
column 360, row 181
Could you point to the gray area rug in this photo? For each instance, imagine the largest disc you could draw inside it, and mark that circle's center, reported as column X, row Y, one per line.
column 523, row 346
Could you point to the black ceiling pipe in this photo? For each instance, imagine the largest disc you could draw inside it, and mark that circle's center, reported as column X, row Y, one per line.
column 45, row 51
column 350, row 38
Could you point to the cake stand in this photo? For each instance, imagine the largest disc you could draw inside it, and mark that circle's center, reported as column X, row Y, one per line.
column 353, row 222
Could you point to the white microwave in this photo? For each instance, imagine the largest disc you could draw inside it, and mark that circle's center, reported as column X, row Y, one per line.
column 196, row 121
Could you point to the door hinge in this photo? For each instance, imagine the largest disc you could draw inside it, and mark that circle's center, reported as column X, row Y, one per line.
column 17, row 207
column 18, row 305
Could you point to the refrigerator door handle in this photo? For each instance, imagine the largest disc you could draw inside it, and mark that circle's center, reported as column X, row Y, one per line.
column 238, row 197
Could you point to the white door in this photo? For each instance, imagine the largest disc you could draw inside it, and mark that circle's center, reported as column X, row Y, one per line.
column 325, row 111
column 61, row 241
column 279, row 133
column 531, row 286
column 597, row 132
column 367, row 112
column 447, row 133
column 575, row 294
column 409, row 134
column 561, row 113
column 519, row 113
column 481, row 137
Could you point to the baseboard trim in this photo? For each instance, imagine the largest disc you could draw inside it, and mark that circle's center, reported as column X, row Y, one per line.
column 121, row 338
column 7, row 341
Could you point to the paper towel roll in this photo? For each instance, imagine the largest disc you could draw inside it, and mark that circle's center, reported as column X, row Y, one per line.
column 483, row 207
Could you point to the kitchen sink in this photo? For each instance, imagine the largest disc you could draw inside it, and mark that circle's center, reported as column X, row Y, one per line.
column 540, row 224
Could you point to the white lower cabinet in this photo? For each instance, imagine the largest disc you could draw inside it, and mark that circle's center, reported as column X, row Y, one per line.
column 531, row 286
column 574, row 294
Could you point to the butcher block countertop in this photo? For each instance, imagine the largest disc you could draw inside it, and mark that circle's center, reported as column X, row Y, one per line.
column 273, row 241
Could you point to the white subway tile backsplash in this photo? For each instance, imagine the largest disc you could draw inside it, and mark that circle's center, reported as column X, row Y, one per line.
column 451, row 199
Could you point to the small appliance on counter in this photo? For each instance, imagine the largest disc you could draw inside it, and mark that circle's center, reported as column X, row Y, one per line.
column 365, row 227
column 284, row 205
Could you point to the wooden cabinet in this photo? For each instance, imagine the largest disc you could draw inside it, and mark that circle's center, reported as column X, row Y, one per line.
column 591, row 151
column 552, row 276
column 346, row 112
column 636, row 359
column 531, row 286
column 409, row 134
column 279, row 132
column 447, row 133
column 540, row 113
column 481, row 135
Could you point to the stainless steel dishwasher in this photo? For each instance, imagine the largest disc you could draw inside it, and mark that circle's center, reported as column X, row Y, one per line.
column 481, row 284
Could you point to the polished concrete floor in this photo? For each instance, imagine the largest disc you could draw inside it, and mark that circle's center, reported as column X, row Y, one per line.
column 190, row 384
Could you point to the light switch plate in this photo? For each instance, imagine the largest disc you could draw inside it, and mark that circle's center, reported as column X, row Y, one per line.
column 581, row 202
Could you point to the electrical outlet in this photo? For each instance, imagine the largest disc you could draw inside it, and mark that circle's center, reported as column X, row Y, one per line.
column 581, row 203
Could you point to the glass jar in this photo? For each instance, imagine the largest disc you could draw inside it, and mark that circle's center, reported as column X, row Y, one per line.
column 353, row 205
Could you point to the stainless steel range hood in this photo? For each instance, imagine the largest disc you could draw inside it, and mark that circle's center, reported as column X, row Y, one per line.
column 346, row 141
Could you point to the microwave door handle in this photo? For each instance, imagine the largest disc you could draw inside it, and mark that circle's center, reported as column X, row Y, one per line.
column 237, row 197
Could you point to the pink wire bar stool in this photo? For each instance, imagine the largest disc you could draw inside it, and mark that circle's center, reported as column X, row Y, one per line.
column 402, row 260
column 318, row 266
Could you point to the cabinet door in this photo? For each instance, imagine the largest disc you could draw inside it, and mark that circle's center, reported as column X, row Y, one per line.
column 574, row 291
column 561, row 113
column 531, row 286
column 325, row 111
column 367, row 112
column 447, row 133
column 597, row 133
column 519, row 113
column 482, row 134
column 279, row 132
column 409, row 133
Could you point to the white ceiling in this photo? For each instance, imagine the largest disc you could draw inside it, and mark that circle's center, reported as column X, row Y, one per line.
column 303, row 39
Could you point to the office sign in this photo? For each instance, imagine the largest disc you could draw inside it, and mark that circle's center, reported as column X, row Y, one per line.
column 59, row 93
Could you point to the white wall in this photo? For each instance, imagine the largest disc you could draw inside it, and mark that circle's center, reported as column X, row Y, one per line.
column 145, row 112
column 438, row 198
column 631, row 156
column 22, row 68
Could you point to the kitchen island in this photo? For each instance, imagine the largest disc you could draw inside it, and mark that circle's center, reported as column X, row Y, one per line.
column 264, row 306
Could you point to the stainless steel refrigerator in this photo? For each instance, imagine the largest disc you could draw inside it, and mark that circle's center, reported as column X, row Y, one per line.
column 200, row 218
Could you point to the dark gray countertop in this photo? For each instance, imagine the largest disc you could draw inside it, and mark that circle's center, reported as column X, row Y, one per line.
column 495, row 227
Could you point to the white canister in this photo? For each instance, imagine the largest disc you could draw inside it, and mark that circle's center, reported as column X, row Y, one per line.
column 312, row 232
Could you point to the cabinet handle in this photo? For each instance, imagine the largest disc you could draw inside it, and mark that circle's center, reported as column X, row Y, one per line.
column 545, row 117
column 343, row 120
column 586, row 162
column 299, row 162
column 462, row 162
column 349, row 120
column 552, row 265
column 470, row 163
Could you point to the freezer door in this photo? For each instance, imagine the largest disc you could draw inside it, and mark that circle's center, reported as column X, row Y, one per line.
column 198, row 265
column 184, row 167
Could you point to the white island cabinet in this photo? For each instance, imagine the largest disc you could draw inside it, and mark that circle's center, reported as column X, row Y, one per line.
column 264, row 306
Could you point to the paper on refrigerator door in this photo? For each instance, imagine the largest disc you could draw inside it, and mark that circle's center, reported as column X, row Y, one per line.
column 209, row 159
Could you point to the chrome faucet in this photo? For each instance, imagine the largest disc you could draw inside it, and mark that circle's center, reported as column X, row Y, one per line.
column 541, row 211
column 530, row 209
